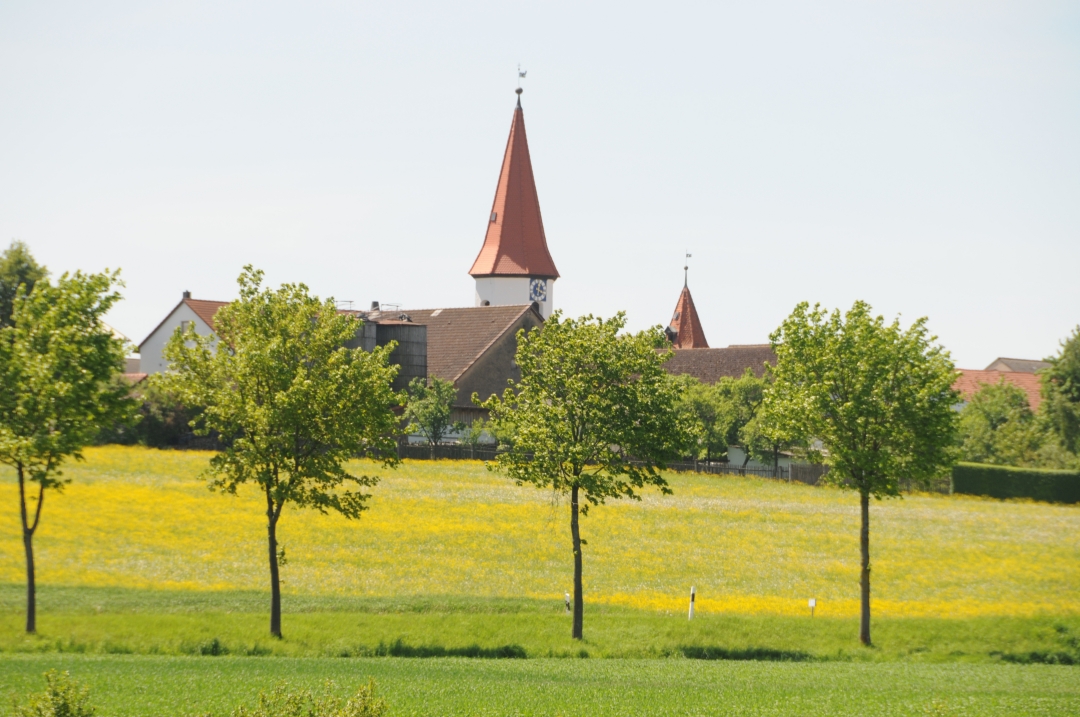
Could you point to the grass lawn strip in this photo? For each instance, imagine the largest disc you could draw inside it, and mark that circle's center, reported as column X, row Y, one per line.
column 125, row 685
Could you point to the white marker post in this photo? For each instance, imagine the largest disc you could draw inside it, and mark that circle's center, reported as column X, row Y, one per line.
column 567, row 603
column 691, row 617
column 813, row 604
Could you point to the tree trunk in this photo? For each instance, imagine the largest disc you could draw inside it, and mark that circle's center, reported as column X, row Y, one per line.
column 864, row 578
column 275, row 583
column 31, row 590
column 575, row 532
column 28, row 546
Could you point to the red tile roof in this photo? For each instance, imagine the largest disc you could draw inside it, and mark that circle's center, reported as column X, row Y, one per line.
column 969, row 381
column 686, row 325
column 205, row 310
column 515, row 243
column 456, row 338
column 710, row 365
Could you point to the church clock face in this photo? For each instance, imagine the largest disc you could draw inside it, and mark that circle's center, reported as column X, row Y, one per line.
column 538, row 290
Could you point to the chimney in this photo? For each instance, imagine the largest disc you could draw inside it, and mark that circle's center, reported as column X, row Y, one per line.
column 187, row 294
column 374, row 305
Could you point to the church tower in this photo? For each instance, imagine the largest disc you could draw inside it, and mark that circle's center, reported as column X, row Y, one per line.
column 685, row 330
column 514, row 266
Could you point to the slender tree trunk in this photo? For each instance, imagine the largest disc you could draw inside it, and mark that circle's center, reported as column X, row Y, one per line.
column 575, row 533
column 28, row 546
column 275, row 583
column 864, row 577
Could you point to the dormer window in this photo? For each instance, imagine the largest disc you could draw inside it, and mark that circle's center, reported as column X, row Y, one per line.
column 494, row 216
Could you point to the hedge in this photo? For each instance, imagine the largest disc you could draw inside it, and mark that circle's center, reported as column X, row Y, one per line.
column 1008, row 482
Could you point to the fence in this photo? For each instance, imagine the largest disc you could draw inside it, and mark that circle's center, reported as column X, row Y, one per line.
column 808, row 473
column 422, row 451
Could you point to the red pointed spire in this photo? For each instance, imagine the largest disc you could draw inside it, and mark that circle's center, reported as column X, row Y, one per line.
column 685, row 324
column 515, row 244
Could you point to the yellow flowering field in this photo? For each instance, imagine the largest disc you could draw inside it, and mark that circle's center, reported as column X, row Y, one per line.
column 140, row 518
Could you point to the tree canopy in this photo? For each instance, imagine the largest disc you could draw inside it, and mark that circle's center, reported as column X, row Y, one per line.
column 593, row 417
column 878, row 399
column 1061, row 393
column 998, row 426
column 17, row 268
column 291, row 404
column 430, row 407
column 58, row 362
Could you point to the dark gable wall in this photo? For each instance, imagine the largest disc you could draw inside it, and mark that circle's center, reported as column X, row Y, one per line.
column 491, row 371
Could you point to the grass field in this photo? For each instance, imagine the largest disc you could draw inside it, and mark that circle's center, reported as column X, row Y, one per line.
column 125, row 685
column 139, row 518
column 153, row 590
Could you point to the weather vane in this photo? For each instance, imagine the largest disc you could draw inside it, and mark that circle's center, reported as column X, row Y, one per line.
column 686, row 269
column 521, row 76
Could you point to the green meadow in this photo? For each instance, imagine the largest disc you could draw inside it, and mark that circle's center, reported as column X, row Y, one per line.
column 449, row 592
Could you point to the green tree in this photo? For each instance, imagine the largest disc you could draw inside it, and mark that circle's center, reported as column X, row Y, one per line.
column 998, row 426
column 594, row 417
column 701, row 409
column 475, row 433
column 740, row 399
column 1061, row 393
column 878, row 398
column 429, row 409
column 289, row 401
column 17, row 268
column 57, row 364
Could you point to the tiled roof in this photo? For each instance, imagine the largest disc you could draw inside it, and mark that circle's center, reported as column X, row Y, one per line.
column 969, row 381
column 686, row 325
column 515, row 243
column 457, row 337
column 1019, row 365
column 205, row 310
column 710, row 365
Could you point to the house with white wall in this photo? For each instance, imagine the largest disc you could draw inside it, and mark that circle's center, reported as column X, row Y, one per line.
column 195, row 313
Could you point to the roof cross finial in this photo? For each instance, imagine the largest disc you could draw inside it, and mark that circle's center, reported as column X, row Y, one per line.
column 686, row 270
column 521, row 76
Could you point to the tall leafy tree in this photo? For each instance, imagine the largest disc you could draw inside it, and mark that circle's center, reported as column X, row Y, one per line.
column 17, row 268
column 701, row 408
column 594, row 417
column 429, row 409
column 879, row 399
column 1061, row 393
column 289, row 401
column 998, row 426
column 57, row 364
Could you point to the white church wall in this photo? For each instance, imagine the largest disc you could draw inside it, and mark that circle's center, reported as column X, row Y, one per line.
column 511, row 291
column 150, row 351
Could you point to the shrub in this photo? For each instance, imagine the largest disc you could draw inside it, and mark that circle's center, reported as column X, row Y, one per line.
column 1051, row 486
column 163, row 421
column 284, row 701
column 63, row 697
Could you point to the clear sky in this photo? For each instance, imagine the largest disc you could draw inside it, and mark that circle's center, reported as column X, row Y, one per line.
column 924, row 157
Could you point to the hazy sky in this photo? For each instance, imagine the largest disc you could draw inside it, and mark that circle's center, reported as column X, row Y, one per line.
column 924, row 157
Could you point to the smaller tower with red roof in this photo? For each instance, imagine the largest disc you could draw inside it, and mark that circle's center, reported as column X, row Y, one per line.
column 685, row 330
column 514, row 266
